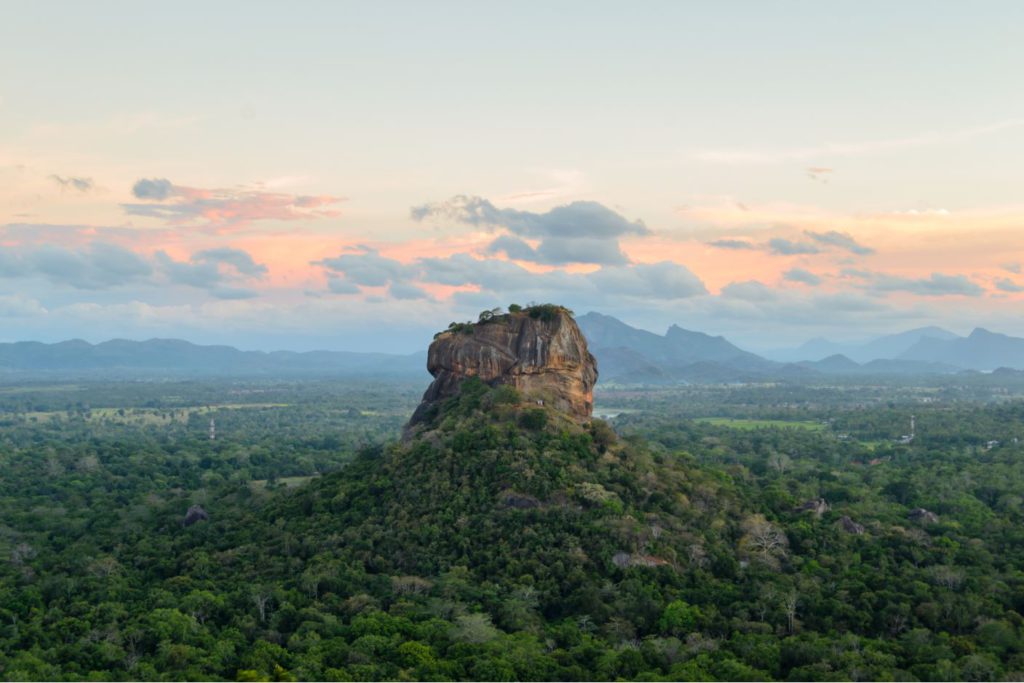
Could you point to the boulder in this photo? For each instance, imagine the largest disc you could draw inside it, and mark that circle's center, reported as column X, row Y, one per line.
column 850, row 526
column 923, row 516
column 195, row 513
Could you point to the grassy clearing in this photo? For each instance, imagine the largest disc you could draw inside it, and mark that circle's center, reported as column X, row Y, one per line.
column 744, row 423
column 287, row 482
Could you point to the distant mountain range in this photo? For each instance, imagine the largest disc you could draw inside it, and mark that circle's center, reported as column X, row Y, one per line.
column 981, row 350
column 174, row 357
column 888, row 346
column 628, row 355
column 625, row 355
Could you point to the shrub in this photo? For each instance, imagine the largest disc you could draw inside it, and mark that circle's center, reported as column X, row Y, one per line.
column 535, row 419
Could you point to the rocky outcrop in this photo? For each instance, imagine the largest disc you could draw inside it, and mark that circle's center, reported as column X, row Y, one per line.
column 195, row 513
column 850, row 526
column 923, row 516
column 819, row 507
column 541, row 352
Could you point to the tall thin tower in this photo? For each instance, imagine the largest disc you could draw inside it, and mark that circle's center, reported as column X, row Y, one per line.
column 911, row 426
column 213, row 430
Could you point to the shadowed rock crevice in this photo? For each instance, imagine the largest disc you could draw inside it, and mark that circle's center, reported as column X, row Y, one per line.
column 539, row 351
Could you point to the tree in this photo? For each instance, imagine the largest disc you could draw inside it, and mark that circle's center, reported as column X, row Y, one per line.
column 763, row 540
column 679, row 618
column 261, row 597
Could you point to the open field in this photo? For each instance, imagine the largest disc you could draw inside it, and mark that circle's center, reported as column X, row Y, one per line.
column 745, row 423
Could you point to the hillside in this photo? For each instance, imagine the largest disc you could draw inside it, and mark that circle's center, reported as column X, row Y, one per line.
column 630, row 355
column 981, row 350
column 507, row 540
column 886, row 346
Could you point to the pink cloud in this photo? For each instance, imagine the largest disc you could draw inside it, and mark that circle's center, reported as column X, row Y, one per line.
column 224, row 210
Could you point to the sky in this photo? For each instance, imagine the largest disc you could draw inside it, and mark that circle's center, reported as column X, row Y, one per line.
column 355, row 176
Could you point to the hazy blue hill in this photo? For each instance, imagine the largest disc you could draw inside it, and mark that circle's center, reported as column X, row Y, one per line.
column 627, row 354
column 606, row 332
column 813, row 349
column 894, row 345
column 620, row 364
column 179, row 357
column 981, row 350
column 837, row 363
column 887, row 346
column 687, row 345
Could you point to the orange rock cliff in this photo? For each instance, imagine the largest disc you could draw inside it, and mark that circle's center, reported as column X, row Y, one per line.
column 543, row 355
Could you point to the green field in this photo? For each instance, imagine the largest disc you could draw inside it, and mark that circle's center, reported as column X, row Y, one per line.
column 744, row 423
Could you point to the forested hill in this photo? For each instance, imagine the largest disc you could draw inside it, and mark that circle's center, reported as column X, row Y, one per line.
column 505, row 541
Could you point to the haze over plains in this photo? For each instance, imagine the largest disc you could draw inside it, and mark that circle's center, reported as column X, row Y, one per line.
column 353, row 176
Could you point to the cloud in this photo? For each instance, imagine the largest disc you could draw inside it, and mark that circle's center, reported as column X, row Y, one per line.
column 512, row 247
column 578, row 219
column 232, row 293
column 218, row 271
column 240, row 260
column 819, row 173
column 787, row 247
column 580, row 232
column 803, row 276
column 101, row 265
column 98, row 266
column 499, row 277
column 1005, row 284
column 73, row 182
column 367, row 268
column 731, row 244
column 339, row 285
column 750, row 290
column 223, row 208
column 842, row 240
column 937, row 284
column 404, row 290
column 665, row 280
column 856, row 273
column 1012, row 267
column 19, row 306
column 784, row 247
column 152, row 188
column 661, row 281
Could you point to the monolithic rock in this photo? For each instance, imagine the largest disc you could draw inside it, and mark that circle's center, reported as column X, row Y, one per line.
column 540, row 351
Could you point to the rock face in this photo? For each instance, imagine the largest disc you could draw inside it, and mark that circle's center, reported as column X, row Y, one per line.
column 850, row 526
column 819, row 507
column 195, row 513
column 543, row 356
column 923, row 516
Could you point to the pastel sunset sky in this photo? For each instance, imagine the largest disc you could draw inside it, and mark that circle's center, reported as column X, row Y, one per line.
column 354, row 176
